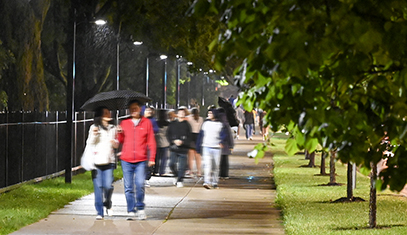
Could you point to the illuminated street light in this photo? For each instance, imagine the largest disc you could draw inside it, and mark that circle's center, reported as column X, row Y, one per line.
column 138, row 43
column 100, row 22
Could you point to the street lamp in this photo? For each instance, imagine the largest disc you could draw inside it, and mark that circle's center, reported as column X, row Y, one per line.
column 164, row 105
column 70, row 100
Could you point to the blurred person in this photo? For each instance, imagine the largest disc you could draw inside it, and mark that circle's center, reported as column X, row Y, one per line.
column 195, row 121
column 227, row 146
column 240, row 117
column 249, row 123
column 102, row 137
column 137, row 136
column 210, row 141
column 172, row 115
column 149, row 113
column 162, row 143
column 178, row 135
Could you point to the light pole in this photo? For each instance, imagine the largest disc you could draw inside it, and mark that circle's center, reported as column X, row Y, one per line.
column 70, row 100
column 164, row 57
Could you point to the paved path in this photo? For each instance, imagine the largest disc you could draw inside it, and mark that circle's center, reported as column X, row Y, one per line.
column 244, row 204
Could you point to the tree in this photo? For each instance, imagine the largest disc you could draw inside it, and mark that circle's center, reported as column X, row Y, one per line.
column 23, row 80
column 332, row 71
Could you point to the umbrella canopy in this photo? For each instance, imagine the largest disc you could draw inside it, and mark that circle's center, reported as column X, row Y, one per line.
column 114, row 100
column 230, row 111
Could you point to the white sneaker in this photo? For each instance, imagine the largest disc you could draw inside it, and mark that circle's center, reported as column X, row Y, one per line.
column 174, row 181
column 180, row 185
column 147, row 184
column 109, row 212
column 99, row 217
column 131, row 215
column 141, row 215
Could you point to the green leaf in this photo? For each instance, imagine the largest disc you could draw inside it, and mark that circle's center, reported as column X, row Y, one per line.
column 311, row 144
column 291, row 147
column 364, row 170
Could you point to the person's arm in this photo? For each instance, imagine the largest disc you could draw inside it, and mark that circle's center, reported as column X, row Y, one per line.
column 93, row 135
column 151, row 144
column 199, row 139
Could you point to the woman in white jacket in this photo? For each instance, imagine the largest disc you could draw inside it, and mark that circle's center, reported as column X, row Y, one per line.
column 102, row 137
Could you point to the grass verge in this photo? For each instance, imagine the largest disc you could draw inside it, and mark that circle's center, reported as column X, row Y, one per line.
column 33, row 202
column 308, row 209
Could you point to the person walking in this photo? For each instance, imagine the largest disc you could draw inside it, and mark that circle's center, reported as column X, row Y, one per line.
column 240, row 118
column 226, row 147
column 195, row 121
column 210, row 141
column 178, row 134
column 149, row 114
column 248, row 124
column 162, row 144
column 137, row 136
column 102, row 137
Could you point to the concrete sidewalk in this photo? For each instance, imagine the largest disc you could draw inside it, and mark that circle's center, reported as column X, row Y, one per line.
column 243, row 204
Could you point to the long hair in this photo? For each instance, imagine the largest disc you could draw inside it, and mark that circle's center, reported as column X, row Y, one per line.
column 99, row 117
column 195, row 113
column 162, row 118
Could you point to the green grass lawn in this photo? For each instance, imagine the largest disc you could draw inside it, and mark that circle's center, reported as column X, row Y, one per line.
column 33, row 202
column 307, row 205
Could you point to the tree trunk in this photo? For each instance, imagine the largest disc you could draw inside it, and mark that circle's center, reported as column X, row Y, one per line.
column 349, row 191
column 306, row 154
column 311, row 159
column 323, row 156
column 332, row 169
column 372, row 202
column 21, row 28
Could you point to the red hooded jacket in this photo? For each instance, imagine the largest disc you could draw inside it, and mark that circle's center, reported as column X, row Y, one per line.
column 136, row 140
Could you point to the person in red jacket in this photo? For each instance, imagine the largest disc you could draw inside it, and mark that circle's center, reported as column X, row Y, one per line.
column 136, row 134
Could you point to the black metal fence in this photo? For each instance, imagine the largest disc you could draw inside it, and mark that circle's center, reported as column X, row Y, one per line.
column 33, row 144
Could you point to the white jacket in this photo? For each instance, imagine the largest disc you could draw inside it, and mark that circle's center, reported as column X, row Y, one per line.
column 101, row 143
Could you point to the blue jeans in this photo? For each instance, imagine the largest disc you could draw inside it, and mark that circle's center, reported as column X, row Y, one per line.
column 134, row 174
column 211, row 160
column 102, row 178
column 179, row 171
column 249, row 130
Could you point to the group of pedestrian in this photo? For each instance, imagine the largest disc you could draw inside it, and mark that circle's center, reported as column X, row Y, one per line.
column 146, row 143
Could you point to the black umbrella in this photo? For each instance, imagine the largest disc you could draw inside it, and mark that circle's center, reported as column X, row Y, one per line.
column 114, row 100
column 230, row 111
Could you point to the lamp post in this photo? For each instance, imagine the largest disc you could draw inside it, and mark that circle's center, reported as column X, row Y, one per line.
column 70, row 99
column 164, row 105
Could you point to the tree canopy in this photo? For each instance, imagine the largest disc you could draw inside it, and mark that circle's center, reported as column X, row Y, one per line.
column 332, row 72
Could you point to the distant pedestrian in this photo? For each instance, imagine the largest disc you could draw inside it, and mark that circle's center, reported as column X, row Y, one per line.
column 240, row 117
column 162, row 143
column 178, row 134
column 195, row 121
column 226, row 147
column 248, row 124
column 102, row 137
column 137, row 136
column 149, row 114
column 210, row 141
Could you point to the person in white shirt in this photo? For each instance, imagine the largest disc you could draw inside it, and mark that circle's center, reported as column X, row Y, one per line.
column 102, row 135
column 210, row 142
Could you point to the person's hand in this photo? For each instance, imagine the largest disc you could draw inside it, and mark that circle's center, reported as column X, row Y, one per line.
column 115, row 143
column 119, row 129
column 177, row 142
column 221, row 146
column 150, row 163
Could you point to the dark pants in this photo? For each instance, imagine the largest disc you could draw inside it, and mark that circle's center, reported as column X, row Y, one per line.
column 178, row 165
column 224, row 166
column 161, row 161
